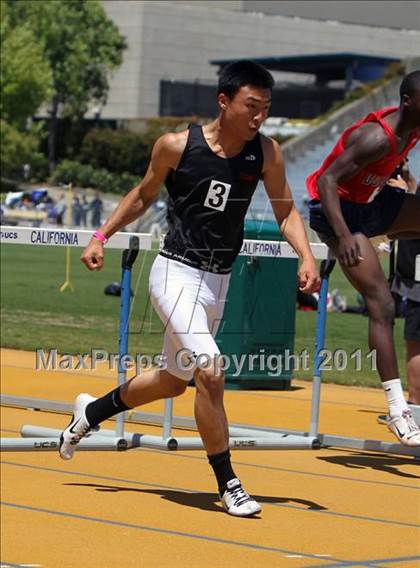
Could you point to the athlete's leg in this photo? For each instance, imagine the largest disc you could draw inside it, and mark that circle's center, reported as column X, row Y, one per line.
column 369, row 279
column 89, row 412
column 212, row 424
column 150, row 386
column 209, row 409
column 210, row 383
column 188, row 332
column 156, row 383
column 146, row 387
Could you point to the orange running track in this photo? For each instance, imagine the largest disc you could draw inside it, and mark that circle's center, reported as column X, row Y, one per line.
column 146, row 508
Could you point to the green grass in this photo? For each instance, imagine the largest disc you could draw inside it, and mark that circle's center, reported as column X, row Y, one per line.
column 35, row 314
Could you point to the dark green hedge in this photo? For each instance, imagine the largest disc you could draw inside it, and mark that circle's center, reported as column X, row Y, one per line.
column 83, row 175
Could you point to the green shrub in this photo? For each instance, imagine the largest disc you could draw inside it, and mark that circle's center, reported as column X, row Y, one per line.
column 120, row 151
column 158, row 126
column 115, row 150
column 18, row 148
column 7, row 185
column 101, row 178
column 84, row 175
column 66, row 171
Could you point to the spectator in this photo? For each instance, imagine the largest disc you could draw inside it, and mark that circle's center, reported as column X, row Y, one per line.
column 96, row 207
column 76, row 212
column 60, row 210
column 85, row 206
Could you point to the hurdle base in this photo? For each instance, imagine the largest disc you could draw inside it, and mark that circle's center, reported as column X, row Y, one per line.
column 256, row 441
column 51, row 444
column 328, row 441
column 236, row 430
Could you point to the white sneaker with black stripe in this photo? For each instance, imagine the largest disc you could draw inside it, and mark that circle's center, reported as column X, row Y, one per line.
column 405, row 429
column 237, row 502
column 78, row 428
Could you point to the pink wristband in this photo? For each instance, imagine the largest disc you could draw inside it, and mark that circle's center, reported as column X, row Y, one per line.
column 100, row 237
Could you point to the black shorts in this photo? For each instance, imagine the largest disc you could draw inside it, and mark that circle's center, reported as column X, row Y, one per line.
column 412, row 321
column 370, row 219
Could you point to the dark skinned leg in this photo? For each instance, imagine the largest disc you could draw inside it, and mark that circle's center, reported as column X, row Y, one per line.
column 369, row 279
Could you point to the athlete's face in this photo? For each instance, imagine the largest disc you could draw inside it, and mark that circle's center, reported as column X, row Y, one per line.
column 247, row 110
column 412, row 108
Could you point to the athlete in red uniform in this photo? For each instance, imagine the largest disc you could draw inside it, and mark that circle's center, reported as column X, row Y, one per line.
column 365, row 185
column 350, row 204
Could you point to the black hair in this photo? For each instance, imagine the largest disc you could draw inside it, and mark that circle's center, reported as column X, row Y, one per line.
column 410, row 84
column 240, row 73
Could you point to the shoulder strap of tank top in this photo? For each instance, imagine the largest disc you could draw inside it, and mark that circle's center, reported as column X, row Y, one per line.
column 390, row 133
column 195, row 134
column 191, row 141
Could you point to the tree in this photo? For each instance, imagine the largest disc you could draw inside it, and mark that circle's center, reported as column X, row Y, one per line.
column 25, row 84
column 82, row 46
column 25, row 78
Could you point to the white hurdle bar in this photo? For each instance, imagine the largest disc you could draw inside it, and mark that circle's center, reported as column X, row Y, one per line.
column 36, row 438
column 66, row 238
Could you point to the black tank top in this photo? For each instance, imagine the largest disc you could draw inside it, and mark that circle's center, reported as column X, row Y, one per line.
column 208, row 200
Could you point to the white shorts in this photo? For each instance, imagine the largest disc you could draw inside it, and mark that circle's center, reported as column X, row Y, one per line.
column 190, row 303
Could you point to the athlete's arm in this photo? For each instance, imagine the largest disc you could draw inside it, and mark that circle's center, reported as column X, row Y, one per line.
column 165, row 156
column 287, row 216
column 366, row 145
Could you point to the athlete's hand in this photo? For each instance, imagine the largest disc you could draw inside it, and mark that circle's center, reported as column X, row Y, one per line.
column 93, row 255
column 398, row 182
column 349, row 253
column 309, row 281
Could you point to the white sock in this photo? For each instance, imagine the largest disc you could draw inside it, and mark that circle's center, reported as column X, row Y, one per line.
column 395, row 397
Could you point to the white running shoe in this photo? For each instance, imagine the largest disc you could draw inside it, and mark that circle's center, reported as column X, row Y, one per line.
column 237, row 502
column 78, row 428
column 405, row 429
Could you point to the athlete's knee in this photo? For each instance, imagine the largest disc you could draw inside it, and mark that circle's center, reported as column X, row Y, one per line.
column 381, row 307
column 179, row 387
column 173, row 385
column 210, row 381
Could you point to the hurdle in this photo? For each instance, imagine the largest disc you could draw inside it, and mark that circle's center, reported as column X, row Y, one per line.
column 241, row 437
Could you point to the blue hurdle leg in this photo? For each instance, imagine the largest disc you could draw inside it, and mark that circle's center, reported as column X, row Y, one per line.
column 128, row 258
column 326, row 269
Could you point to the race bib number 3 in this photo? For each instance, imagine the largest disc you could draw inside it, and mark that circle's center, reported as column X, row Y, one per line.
column 217, row 195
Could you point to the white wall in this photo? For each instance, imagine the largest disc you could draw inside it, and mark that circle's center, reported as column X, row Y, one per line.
column 124, row 100
column 403, row 14
column 172, row 40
